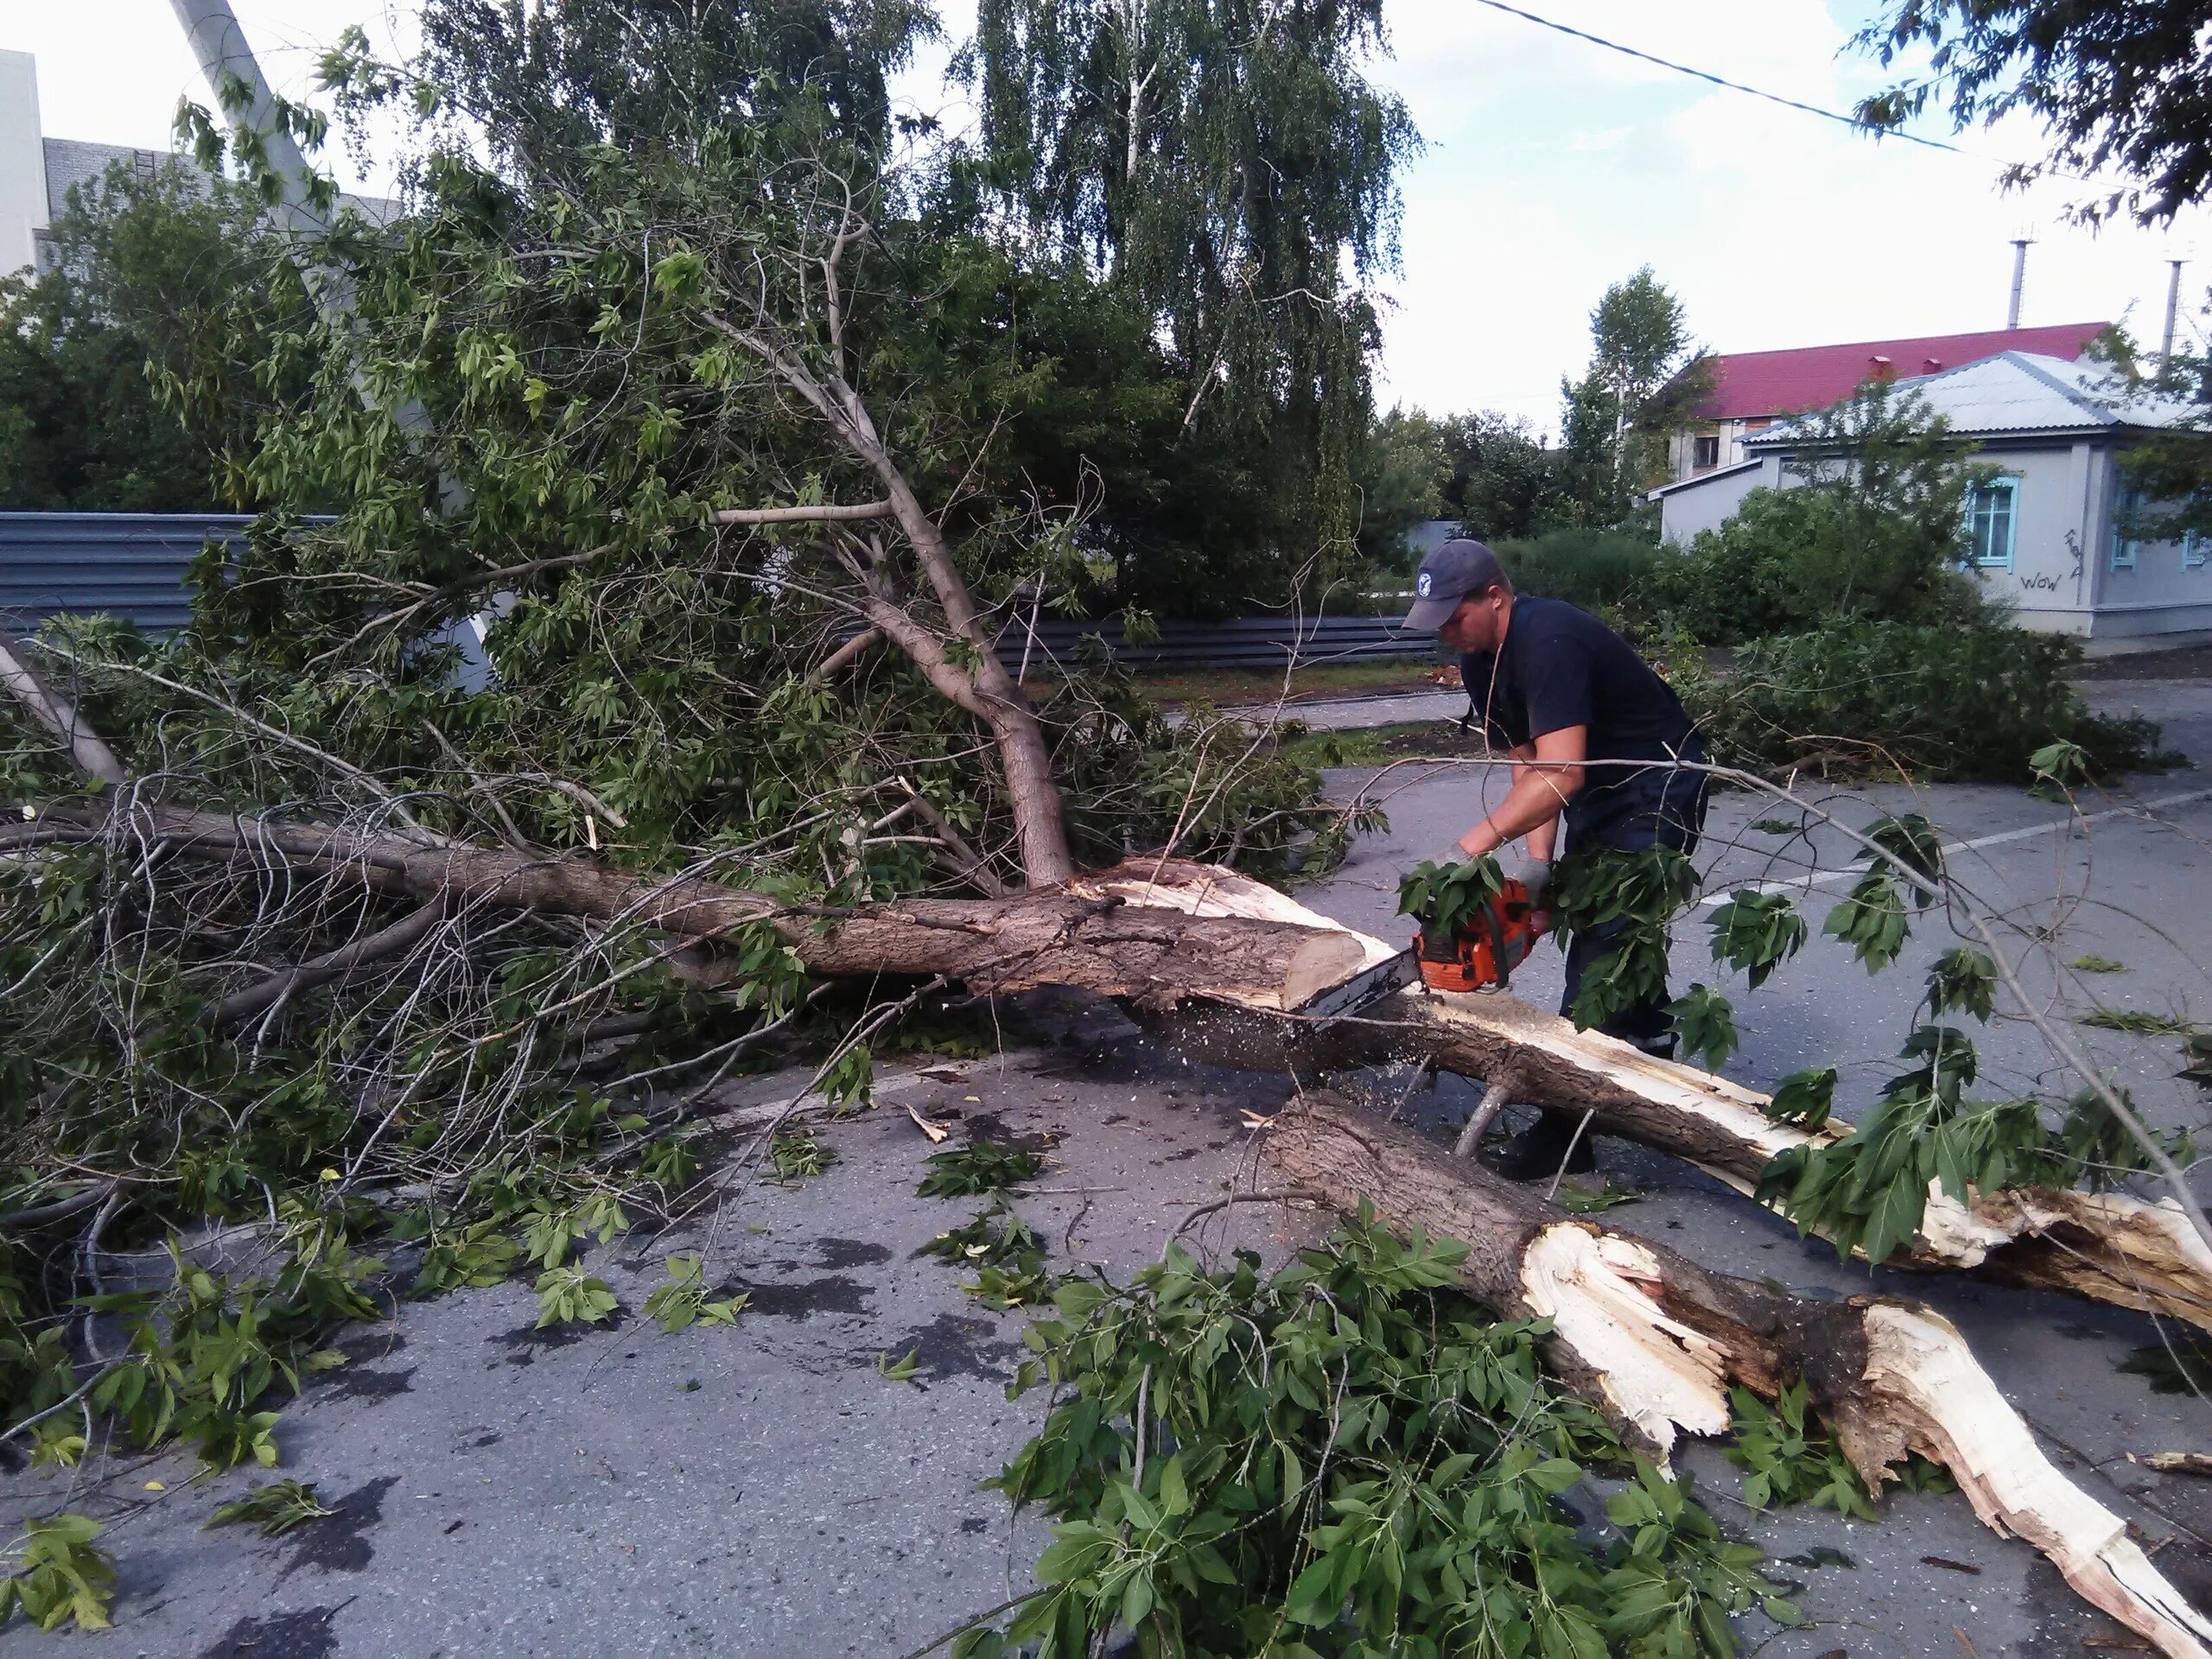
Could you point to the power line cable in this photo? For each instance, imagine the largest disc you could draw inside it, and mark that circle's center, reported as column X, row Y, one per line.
column 1851, row 122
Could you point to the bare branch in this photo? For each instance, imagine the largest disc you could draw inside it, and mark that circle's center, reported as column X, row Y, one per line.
column 58, row 715
column 826, row 512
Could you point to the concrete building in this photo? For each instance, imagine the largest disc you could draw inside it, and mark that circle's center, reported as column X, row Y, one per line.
column 36, row 172
column 2049, row 535
column 1753, row 390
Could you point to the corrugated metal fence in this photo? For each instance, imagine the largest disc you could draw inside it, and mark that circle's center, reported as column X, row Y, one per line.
column 1261, row 642
column 130, row 564
column 133, row 565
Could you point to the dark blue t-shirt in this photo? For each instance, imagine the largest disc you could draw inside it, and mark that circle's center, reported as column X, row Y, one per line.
column 1561, row 666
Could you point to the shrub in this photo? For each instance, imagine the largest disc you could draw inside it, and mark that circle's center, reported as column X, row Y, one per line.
column 1739, row 581
column 1589, row 568
column 1792, row 560
column 1935, row 702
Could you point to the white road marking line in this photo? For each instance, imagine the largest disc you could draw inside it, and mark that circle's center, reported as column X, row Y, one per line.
column 1822, row 878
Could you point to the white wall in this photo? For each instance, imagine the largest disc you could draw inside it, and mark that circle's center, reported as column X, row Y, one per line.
column 2051, row 584
column 1686, row 509
column 22, row 163
column 2160, row 594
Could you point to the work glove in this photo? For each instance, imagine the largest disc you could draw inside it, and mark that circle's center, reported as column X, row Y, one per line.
column 1535, row 875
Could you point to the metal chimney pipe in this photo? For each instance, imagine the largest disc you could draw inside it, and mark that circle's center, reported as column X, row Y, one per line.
column 2019, row 278
column 2173, row 307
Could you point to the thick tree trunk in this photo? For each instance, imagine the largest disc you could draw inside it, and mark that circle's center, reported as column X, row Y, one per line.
column 2113, row 1247
column 1655, row 1340
column 1085, row 934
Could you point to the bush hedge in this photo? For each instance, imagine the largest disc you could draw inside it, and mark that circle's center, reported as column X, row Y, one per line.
column 1927, row 700
column 1594, row 568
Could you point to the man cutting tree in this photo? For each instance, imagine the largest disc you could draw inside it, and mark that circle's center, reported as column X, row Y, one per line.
column 1598, row 740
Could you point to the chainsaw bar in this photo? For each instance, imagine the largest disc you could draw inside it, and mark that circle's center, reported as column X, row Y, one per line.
column 1368, row 985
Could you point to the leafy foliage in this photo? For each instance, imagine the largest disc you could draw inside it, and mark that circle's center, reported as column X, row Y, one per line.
column 2114, row 87
column 272, row 1509
column 983, row 1166
column 1640, row 893
column 1644, row 377
column 684, row 1302
column 1130, row 137
column 2141, row 1022
column 1805, row 1098
column 1596, row 569
column 60, row 1576
column 1005, row 1254
column 1705, row 1024
column 1966, row 701
column 1447, row 899
column 799, row 1156
column 1342, row 1458
column 570, row 1296
column 1756, row 932
column 1963, row 981
column 116, row 387
column 1789, row 1459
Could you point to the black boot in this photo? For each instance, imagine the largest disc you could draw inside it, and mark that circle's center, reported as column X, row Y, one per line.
column 1538, row 1153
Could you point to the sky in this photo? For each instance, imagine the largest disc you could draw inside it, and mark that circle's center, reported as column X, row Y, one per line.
column 1552, row 169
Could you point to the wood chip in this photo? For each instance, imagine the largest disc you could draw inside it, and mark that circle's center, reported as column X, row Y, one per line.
column 2117, row 1643
column 935, row 1131
column 1966, row 1643
column 2176, row 1462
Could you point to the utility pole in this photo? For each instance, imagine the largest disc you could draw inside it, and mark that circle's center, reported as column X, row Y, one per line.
column 228, row 61
column 2173, row 306
column 2019, row 272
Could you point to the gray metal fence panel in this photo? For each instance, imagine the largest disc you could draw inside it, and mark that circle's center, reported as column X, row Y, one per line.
column 133, row 565
column 1261, row 642
column 130, row 564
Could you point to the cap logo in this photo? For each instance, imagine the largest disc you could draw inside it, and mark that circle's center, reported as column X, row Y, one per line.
column 1423, row 584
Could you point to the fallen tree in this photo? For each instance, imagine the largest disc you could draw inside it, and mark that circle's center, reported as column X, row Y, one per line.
column 1655, row 1340
column 2110, row 1246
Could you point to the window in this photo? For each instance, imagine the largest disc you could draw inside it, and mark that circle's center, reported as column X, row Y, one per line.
column 1707, row 451
column 2194, row 545
column 1989, row 517
column 2125, row 507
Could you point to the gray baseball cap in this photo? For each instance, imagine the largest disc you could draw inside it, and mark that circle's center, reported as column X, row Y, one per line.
column 1455, row 570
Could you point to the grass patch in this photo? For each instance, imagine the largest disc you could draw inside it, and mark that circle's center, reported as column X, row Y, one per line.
column 1375, row 746
column 2096, row 964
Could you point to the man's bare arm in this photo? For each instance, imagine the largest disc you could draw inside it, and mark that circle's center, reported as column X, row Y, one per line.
column 1543, row 783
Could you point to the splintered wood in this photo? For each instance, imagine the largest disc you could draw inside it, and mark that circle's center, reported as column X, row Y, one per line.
column 1654, row 1340
column 2113, row 1247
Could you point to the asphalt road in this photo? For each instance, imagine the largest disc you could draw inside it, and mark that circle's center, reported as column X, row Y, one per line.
column 765, row 1490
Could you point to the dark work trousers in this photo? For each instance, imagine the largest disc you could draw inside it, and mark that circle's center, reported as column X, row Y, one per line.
column 1661, row 806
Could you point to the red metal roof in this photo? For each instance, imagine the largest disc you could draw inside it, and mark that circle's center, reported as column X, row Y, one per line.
column 1748, row 384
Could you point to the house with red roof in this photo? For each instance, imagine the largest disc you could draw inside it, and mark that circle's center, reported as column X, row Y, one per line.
column 1753, row 390
column 2053, row 528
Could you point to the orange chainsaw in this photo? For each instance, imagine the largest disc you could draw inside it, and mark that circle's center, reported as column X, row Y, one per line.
column 1481, row 953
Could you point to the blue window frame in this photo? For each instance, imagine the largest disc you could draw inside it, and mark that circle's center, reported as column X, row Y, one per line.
column 1992, row 515
column 2125, row 506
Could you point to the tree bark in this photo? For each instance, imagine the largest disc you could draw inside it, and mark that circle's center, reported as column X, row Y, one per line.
column 57, row 715
column 1653, row 1341
column 1085, row 934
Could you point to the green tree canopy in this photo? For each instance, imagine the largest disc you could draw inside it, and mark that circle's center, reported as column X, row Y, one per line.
column 2125, row 87
column 1644, row 375
column 1228, row 163
column 119, row 379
